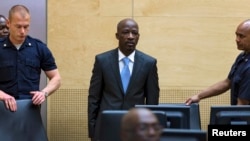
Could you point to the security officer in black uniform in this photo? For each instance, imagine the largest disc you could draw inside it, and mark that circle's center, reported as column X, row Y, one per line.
column 22, row 58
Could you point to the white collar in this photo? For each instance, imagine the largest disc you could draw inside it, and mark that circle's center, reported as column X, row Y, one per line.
column 131, row 56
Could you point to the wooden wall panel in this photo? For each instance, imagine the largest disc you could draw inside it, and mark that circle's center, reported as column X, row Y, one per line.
column 184, row 36
column 191, row 8
column 193, row 41
column 186, row 48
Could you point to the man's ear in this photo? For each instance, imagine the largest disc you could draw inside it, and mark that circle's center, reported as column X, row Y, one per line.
column 8, row 23
column 117, row 36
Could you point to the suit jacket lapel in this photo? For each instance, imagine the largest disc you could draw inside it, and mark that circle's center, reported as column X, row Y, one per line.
column 114, row 63
column 138, row 63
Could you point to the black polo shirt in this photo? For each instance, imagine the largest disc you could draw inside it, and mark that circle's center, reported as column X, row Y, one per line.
column 20, row 69
column 240, row 78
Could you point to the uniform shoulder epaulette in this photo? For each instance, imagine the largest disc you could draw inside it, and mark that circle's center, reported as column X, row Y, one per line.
column 37, row 40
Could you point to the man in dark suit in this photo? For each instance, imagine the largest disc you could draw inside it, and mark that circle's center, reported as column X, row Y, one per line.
column 106, row 90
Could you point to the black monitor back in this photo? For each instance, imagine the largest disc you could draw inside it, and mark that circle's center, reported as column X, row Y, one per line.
column 231, row 114
column 179, row 115
column 111, row 123
column 183, row 135
column 25, row 124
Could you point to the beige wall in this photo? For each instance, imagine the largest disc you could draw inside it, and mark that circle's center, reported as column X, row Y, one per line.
column 193, row 41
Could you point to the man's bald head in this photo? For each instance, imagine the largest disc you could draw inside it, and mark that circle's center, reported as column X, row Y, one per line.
column 140, row 124
column 4, row 31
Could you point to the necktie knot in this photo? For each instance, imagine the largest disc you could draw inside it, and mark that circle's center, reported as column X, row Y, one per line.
column 125, row 61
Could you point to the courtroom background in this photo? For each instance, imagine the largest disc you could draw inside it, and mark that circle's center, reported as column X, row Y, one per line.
column 193, row 41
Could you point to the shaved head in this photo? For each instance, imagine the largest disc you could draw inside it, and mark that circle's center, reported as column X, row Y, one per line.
column 21, row 9
column 122, row 22
column 140, row 124
column 243, row 36
column 4, row 31
column 246, row 24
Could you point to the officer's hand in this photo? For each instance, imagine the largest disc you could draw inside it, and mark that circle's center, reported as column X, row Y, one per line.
column 9, row 101
column 38, row 97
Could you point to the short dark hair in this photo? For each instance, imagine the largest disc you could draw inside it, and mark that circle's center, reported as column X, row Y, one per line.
column 18, row 8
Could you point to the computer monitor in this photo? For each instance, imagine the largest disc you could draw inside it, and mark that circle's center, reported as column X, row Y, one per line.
column 183, row 135
column 179, row 116
column 230, row 115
